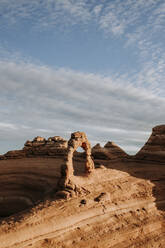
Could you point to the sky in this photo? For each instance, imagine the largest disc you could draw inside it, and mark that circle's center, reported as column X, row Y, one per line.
column 75, row 65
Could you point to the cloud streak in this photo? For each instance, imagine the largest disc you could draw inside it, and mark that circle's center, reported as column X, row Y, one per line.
column 39, row 98
column 140, row 24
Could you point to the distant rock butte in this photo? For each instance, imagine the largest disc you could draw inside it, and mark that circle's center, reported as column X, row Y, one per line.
column 154, row 148
column 109, row 151
column 39, row 146
column 57, row 146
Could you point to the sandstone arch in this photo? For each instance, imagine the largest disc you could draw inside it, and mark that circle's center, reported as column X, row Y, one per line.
column 78, row 139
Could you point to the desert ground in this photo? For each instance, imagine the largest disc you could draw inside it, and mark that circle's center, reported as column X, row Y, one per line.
column 120, row 204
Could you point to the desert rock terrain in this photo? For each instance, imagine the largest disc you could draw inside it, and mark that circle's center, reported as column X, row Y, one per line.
column 109, row 151
column 154, row 149
column 118, row 203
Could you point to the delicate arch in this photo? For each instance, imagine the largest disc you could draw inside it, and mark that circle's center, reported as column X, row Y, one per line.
column 78, row 139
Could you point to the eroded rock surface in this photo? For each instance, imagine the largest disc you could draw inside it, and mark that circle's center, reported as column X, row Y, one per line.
column 154, row 148
column 39, row 146
column 121, row 203
column 116, row 209
column 78, row 139
column 109, row 151
column 24, row 182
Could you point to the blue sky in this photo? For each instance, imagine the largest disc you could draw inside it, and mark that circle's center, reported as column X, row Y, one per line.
column 93, row 66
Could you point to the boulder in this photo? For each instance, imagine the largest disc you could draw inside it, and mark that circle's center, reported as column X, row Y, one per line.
column 38, row 139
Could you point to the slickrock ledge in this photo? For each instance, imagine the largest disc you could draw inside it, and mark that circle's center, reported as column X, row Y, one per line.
column 115, row 209
column 119, row 203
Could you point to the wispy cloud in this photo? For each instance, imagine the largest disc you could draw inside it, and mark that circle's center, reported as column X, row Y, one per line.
column 45, row 13
column 7, row 126
column 139, row 23
column 114, row 16
column 61, row 100
column 41, row 98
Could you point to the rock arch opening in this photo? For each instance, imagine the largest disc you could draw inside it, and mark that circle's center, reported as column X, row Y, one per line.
column 78, row 139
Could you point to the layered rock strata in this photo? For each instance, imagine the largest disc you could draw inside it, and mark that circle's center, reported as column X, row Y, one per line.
column 39, row 146
column 154, row 148
column 109, row 151
column 24, row 182
column 118, row 205
column 105, row 214
column 78, row 139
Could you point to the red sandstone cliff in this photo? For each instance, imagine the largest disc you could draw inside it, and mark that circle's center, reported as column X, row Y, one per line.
column 154, row 148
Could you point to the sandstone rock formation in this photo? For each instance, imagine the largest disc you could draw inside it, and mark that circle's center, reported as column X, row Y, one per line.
column 78, row 139
column 13, row 154
column 115, row 150
column 116, row 209
column 39, row 146
column 25, row 181
column 38, row 141
column 109, row 151
column 154, row 148
column 121, row 204
column 99, row 152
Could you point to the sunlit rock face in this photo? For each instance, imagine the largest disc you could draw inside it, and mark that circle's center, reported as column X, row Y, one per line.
column 120, row 203
column 53, row 146
column 78, row 139
column 39, row 146
column 154, row 148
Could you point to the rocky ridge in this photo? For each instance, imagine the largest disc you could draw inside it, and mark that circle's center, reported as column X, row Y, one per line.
column 154, row 148
column 109, row 151
column 39, row 146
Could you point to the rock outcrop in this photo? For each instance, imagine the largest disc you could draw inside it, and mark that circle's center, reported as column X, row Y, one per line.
column 109, row 151
column 57, row 147
column 25, row 181
column 38, row 141
column 120, row 204
column 39, row 146
column 116, row 209
column 78, row 139
column 154, row 148
column 99, row 152
column 115, row 150
column 13, row 154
